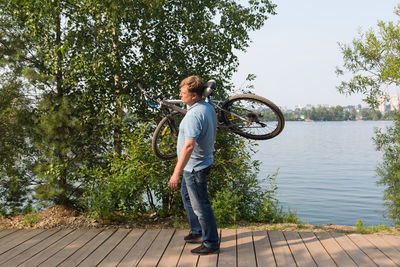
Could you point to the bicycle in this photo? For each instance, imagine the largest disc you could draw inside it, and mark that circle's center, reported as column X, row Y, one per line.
column 247, row 115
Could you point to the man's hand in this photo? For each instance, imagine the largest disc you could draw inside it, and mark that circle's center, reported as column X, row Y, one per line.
column 186, row 151
column 173, row 182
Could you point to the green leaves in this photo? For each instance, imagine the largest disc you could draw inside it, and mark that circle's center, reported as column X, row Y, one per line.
column 78, row 63
column 389, row 170
column 373, row 60
column 374, row 63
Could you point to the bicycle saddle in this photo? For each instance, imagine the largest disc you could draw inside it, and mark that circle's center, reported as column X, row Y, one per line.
column 209, row 87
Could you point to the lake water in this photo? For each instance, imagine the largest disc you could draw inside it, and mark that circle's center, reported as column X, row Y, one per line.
column 327, row 171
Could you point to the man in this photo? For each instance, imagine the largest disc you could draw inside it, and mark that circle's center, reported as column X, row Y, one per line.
column 195, row 155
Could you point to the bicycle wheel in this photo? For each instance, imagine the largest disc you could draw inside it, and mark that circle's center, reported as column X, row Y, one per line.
column 252, row 116
column 165, row 136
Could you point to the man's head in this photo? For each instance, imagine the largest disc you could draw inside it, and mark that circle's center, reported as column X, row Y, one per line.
column 191, row 89
column 194, row 84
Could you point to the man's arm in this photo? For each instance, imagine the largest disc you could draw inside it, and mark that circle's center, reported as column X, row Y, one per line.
column 183, row 159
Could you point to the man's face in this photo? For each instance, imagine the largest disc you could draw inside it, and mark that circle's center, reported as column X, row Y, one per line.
column 186, row 96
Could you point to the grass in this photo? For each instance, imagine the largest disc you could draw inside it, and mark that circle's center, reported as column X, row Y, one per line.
column 304, row 226
column 360, row 228
column 31, row 219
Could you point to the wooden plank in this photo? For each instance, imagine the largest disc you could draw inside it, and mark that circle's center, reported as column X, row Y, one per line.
column 385, row 247
column 335, row 250
column 282, row 253
column 357, row 255
column 12, row 236
column 174, row 250
column 375, row 254
column 105, row 248
column 25, row 235
column 299, row 249
column 393, row 240
column 87, row 249
column 26, row 245
column 227, row 255
column 53, row 249
column 136, row 253
column 188, row 259
column 60, row 256
column 157, row 248
column 245, row 248
column 262, row 246
column 209, row 260
column 37, row 248
column 122, row 249
column 317, row 251
column 6, row 232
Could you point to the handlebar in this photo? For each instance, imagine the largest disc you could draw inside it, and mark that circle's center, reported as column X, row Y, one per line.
column 160, row 101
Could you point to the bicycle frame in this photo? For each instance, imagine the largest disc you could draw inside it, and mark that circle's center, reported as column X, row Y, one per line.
column 165, row 105
column 237, row 114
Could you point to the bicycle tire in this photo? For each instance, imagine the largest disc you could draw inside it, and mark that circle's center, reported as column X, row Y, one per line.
column 165, row 136
column 252, row 116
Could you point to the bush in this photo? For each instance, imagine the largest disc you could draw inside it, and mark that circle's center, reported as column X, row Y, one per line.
column 389, row 169
column 31, row 219
column 132, row 183
column 236, row 192
column 137, row 182
column 226, row 207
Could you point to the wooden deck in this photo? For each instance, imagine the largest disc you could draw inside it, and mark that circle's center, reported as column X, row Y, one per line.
column 165, row 247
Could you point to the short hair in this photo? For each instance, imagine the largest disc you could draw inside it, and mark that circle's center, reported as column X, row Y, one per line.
column 195, row 84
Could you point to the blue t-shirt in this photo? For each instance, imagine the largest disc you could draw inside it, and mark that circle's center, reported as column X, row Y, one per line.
column 200, row 124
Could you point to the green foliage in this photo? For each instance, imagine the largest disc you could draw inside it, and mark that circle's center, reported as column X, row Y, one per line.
column 337, row 114
column 373, row 60
column 360, row 226
column 31, row 219
column 16, row 152
column 226, row 207
column 370, row 229
column 79, row 62
column 135, row 182
column 321, row 114
column 389, row 170
column 235, row 188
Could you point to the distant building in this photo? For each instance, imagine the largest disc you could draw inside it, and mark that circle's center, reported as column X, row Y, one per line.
column 349, row 108
column 394, row 102
column 382, row 104
column 298, row 107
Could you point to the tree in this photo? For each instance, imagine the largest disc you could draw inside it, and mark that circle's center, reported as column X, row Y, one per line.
column 374, row 63
column 82, row 60
column 16, row 152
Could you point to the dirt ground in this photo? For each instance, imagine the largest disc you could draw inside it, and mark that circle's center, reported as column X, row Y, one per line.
column 61, row 217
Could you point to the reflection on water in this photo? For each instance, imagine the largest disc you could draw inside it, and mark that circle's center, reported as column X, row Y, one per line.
column 327, row 171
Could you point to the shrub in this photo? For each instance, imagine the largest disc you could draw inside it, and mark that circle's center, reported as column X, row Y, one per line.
column 132, row 183
column 137, row 182
column 31, row 219
column 226, row 206
column 389, row 169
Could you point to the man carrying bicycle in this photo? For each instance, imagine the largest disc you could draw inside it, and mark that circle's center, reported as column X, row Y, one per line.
column 195, row 148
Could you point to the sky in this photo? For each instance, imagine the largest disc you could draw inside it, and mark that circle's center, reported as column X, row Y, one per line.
column 295, row 54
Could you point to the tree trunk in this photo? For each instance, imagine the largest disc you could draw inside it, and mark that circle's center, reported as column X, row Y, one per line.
column 62, row 180
column 117, row 87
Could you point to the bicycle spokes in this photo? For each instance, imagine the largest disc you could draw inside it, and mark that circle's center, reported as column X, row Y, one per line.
column 252, row 117
column 165, row 137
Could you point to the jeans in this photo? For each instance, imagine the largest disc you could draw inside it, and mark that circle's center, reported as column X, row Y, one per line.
column 198, row 207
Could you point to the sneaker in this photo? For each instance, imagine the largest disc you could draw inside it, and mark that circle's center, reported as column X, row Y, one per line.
column 203, row 250
column 191, row 238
